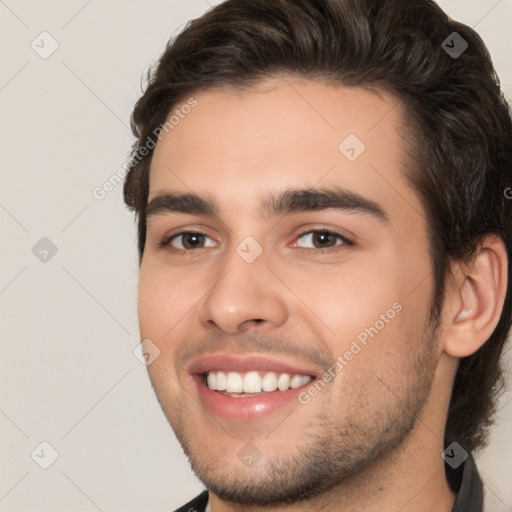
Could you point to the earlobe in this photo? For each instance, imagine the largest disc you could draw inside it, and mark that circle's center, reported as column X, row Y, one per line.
column 477, row 298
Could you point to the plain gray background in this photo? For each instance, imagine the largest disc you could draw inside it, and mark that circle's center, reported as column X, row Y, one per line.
column 69, row 327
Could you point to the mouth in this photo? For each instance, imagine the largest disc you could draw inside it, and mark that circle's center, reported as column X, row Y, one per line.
column 252, row 383
column 246, row 389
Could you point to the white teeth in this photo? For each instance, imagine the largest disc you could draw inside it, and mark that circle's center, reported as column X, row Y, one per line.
column 305, row 380
column 220, row 384
column 296, row 381
column 252, row 383
column 269, row 382
column 283, row 383
column 234, row 383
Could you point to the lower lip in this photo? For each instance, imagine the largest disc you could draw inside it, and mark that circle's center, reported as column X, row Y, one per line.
column 246, row 409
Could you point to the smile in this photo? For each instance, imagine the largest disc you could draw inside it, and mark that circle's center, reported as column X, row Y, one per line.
column 248, row 388
column 240, row 385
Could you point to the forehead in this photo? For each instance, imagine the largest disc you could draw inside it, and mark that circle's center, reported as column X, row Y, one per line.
column 237, row 145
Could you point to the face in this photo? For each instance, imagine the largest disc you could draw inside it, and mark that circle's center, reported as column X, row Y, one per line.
column 286, row 281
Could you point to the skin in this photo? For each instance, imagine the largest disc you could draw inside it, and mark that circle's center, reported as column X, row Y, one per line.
column 372, row 438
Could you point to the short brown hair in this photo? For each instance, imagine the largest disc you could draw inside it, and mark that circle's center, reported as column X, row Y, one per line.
column 461, row 127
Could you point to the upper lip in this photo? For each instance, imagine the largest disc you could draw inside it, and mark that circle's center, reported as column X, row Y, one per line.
column 246, row 363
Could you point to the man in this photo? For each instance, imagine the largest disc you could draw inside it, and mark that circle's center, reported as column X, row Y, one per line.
column 324, row 239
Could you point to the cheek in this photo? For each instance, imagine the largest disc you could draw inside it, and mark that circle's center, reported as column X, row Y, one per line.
column 161, row 312
column 150, row 302
column 161, row 301
column 383, row 302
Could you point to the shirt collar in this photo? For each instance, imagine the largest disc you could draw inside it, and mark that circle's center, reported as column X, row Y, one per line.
column 470, row 490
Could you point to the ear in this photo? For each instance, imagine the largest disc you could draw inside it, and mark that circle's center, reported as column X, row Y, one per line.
column 475, row 297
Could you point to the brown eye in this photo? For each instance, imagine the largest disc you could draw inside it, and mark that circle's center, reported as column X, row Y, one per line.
column 322, row 239
column 190, row 240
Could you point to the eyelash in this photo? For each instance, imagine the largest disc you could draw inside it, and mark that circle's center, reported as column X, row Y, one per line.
column 345, row 241
column 166, row 242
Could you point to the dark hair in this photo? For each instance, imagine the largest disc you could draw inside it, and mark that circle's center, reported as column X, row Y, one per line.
column 460, row 127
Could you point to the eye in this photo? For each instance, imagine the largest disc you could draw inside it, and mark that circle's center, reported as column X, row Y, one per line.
column 322, row 239
column 188, row 240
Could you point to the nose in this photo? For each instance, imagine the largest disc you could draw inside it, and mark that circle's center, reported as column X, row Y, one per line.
column 244, row 295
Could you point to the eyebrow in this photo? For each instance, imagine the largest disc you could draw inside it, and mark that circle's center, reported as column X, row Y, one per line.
column 283, row 203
